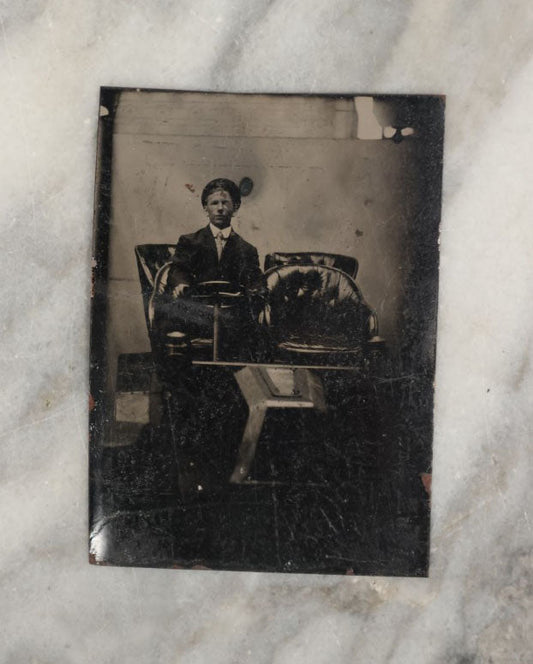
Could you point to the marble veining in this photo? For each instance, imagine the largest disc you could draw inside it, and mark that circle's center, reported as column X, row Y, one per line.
column 476, row 605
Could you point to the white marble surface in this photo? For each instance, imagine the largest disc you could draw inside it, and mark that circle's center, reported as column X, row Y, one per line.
column 476, row 605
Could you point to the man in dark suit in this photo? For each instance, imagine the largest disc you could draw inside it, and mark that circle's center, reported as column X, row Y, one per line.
column 217, row 253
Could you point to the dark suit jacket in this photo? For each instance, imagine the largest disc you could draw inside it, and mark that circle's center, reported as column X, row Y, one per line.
column 196, row 260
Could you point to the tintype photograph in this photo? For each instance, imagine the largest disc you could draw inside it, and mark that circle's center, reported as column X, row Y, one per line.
column 263, row 334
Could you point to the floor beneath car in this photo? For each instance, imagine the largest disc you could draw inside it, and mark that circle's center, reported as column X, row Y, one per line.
column 333, row 492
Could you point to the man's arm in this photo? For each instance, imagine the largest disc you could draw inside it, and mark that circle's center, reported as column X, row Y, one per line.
column 248, row 271
column 255, row 283
column 255, row 278
column 181, row 274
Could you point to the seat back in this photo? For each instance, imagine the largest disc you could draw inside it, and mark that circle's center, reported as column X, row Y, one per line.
column 314, row 306
column 347, row 264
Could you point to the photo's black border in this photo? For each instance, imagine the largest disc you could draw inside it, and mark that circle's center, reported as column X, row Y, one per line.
column 420, row 326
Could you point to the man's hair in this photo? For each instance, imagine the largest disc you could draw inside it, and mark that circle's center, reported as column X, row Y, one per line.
column 225, row 185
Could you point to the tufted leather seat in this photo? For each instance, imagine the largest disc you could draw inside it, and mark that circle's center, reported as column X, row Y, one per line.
column 347, row 264
column 316, row 314
column 184, row 329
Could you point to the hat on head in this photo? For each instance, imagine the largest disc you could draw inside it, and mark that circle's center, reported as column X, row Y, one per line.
column 225, row 185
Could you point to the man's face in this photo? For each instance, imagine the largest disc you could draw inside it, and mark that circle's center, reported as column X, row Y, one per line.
column 219, row 208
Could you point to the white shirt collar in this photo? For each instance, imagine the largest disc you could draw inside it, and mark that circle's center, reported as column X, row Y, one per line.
column 226, row 232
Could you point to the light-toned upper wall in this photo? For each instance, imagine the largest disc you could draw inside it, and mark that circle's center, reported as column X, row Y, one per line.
column 316, row 187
